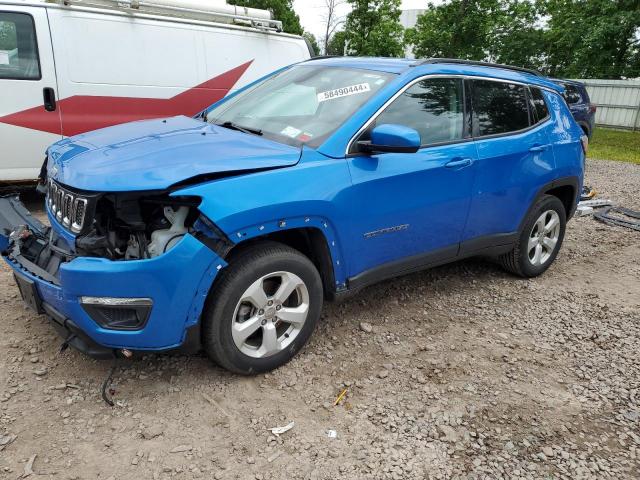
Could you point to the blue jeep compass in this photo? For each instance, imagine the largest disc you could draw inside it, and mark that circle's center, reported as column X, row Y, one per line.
column 229, row 230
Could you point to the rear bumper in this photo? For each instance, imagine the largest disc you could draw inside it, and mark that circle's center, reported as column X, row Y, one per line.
column 177, row 282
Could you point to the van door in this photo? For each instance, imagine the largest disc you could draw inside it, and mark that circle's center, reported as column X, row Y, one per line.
column 29, row 117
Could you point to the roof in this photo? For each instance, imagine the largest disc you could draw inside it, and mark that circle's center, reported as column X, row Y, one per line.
column 419, row 67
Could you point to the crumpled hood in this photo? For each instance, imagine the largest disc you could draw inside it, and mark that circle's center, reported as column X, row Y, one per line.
column 155, row 154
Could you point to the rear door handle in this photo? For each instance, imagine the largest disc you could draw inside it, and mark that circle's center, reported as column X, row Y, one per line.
column 538, row 148
column 458, row 163
column 49, row 97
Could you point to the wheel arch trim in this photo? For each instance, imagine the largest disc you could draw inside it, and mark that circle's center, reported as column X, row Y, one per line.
column 571, row 181
column 296, row 223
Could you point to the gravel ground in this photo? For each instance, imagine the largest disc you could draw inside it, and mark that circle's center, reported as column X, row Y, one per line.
column 459, row 372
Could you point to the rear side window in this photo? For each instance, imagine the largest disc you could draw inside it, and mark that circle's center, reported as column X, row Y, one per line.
column 539, row 104
column 499, row 107
column 572, row 94
column 18, row 47
column 433, row 107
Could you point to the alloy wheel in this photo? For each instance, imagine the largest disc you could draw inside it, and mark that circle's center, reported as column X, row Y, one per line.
column 270, row 314
column 543, row 238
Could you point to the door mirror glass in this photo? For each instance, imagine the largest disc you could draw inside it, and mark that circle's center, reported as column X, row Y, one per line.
column 392, row 138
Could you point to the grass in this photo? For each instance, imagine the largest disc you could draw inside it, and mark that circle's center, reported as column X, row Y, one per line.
column 621, row 145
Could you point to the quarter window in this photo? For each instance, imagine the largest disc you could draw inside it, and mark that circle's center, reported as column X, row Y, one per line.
column 499, row 107
column 433, row 107
column 539, row 105
column 18, row 48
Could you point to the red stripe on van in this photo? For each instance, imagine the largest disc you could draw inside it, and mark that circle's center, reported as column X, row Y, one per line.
column 83, row 113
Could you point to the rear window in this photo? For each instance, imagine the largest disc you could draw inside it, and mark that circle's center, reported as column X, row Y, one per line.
column 499, row 107
column 539, row 104
column 18, row 47
column 572, row 94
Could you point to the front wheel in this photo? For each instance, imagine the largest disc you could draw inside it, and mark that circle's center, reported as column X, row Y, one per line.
column 262, row 310
column 540, row 239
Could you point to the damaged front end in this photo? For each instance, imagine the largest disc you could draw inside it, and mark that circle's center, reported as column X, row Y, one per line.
column 127, row 270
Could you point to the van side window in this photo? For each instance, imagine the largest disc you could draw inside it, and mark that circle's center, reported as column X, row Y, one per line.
column 433, row 107
column 539, row 105
column 18, row 47
column 499, row 107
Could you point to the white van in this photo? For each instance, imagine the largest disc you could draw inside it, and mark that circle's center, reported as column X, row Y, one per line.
column 87, row 64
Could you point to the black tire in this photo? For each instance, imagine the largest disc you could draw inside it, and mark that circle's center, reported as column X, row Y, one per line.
column 243, row 270
column 517, row 260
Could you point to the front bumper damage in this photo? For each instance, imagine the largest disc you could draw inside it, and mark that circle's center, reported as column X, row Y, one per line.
column 52, row 280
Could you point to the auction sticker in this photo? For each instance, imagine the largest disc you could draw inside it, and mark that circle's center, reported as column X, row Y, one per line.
column 291, row 132
column 343, row 92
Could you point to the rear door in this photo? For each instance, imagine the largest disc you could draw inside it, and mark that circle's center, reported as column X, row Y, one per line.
column 515, row 159
column 29, row 117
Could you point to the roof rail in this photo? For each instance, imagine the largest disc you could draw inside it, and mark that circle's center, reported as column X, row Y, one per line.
column 479, row 64
column 218, row 12
column 320, row 57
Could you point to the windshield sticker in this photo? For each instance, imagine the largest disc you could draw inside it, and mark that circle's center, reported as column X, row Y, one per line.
column 305, row 137
column 291, row 132
column 343, row 92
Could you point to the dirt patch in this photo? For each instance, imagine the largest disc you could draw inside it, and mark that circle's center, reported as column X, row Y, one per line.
column 466, row 372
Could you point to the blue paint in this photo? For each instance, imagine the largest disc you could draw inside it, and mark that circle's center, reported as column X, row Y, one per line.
column 390, row 135
column 371, row 209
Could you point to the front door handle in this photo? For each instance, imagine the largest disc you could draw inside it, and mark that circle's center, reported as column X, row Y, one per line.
column 538, row 148
column 49, row 97
column 458, row 163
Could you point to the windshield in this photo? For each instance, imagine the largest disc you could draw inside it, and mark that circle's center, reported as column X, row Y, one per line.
column 301, row 105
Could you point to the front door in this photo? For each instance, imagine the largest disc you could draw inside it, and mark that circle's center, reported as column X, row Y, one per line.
column 29, row 117
column 410, row 209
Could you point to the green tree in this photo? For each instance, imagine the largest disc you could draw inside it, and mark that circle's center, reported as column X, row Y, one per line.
column 373, row 28
column 593, row 38
column 566, row 38
column 282, row 10
column 311, row 38
column 337, row 43
column 454, row 29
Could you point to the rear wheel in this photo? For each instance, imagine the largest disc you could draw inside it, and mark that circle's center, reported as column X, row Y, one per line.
column 540, row 239
column 262, row 310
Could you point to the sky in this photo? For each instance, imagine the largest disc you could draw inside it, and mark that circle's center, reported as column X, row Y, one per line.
column 311, row 13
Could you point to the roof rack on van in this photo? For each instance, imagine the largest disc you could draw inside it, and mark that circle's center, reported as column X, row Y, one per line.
column 478, row 63
column 212, row 11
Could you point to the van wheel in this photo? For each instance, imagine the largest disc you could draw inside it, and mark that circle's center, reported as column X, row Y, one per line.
column 539, row 241
column 262, row 310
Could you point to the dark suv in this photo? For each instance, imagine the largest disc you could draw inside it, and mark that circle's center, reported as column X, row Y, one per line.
column 584, row 112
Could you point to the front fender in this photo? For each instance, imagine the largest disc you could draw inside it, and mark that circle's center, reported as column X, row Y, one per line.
column 310, row 194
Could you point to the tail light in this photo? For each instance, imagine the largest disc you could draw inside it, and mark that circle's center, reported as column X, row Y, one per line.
column 585, row 144
column 592, row 108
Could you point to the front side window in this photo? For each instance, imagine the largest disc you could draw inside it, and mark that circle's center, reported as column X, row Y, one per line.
column 18, row 47
column 433, row 107
column 539, row 104
column 499, row 107
column 302, row 105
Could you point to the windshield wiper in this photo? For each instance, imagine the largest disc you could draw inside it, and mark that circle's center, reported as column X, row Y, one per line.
column 240, row 128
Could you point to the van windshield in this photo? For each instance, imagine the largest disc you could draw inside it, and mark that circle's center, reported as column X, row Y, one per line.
column 302, row 105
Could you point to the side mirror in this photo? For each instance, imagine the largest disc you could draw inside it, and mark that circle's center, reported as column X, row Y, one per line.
column 392, row 138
